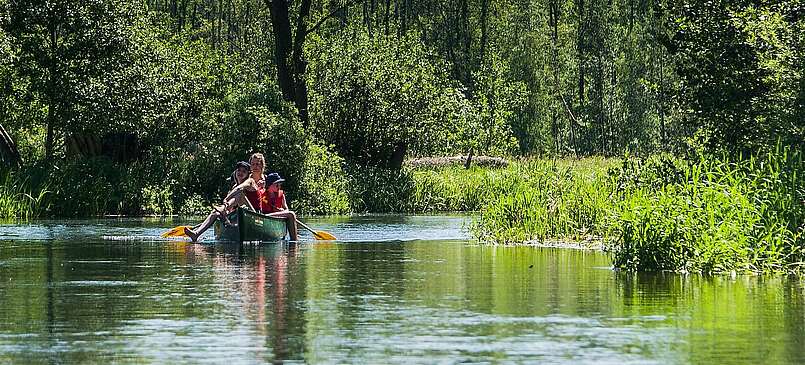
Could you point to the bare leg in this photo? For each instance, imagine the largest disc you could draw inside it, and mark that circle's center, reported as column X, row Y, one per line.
column 196, row 232
column 290, row 218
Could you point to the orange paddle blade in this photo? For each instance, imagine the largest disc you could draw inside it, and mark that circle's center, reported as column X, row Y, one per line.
column 322, row 235
column 176, row 232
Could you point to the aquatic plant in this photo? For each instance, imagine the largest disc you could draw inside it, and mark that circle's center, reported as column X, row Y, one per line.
column 551, row 199
column 661, row 212
column 747, row 215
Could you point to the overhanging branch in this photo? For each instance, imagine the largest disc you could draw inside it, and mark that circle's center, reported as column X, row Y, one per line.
column 332, row 14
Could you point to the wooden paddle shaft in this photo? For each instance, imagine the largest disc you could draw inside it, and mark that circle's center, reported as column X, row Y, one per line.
column 306, row 227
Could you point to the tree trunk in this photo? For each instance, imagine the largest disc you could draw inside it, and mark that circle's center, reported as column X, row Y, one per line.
column 404, row 18
column 580, row 49
column 366, row 22
column 484, row 30
column 220, row 21
column 662, row 101
column 229, row 42
column 52, row 103
column 8, row 149
column 372, row 15
column 580, row 44
column 469, row 160
column 398, row 156
column 553, row 20
column 281, row 25
column 386, row 17
column 300, row 64
column 465, row 27
column 193, row 17
column 599, row 85
column 182, row 15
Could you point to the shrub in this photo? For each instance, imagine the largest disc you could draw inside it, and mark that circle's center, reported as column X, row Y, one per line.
column 376, row 99
column 323, row 184
column 86, row 187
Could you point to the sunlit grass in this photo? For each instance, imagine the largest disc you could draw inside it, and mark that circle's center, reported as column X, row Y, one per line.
column 660, row 213
column 17, row 201
column 550, row 199
column 723, row 216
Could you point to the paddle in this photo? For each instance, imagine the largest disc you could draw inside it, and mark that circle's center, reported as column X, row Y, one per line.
column 176, row 232
column 179, row 231
column 319, row 235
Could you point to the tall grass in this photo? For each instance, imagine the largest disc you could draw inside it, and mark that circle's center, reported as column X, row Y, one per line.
column 561, row 199
column 455, row 189
column 742, row 216
column 18, row 200
column 660, row 213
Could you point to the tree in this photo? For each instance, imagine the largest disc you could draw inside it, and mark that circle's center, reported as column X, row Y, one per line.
column 64, row 49
column 289, row 54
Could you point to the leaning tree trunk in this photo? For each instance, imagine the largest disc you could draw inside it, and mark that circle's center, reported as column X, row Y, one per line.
column 8, row 149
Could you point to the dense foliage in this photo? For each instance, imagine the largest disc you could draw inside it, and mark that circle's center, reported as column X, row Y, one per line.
column 375, row 100
column 713, row 216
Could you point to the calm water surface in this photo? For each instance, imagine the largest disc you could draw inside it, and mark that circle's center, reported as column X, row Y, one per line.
column 395, row 290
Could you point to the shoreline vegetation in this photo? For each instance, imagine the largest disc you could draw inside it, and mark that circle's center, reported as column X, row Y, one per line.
column 664, row 213
column 651, row 214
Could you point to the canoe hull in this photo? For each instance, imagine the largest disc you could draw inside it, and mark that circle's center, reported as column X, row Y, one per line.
column 248, row 226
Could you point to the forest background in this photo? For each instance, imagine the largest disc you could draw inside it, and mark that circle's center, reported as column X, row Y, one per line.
column 143, row 107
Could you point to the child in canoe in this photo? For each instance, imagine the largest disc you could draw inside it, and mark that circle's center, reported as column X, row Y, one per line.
column 274, row 204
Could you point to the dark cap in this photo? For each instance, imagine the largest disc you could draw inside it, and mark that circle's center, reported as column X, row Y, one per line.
column 243, row 164
column 273, row 178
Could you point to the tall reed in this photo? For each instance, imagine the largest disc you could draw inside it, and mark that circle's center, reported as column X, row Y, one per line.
column 18, row 200
column 549, row 199
column 745, row 215
column 659, row 213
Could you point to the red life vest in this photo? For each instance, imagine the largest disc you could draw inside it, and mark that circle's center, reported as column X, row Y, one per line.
column 255, row 197
column 272, row 202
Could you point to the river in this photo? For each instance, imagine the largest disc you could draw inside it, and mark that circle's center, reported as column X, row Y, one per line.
column 394, row 289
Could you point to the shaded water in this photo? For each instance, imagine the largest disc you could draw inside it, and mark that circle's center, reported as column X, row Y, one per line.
column 396, row 290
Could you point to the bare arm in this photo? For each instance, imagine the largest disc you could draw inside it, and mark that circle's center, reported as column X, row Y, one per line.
column 239, row 188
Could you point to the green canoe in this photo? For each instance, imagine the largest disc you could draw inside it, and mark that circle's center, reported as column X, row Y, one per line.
column 250, row 226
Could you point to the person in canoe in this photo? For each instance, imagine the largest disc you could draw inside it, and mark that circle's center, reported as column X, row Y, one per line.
column 274, row 204
column 231, row 201
column 254, row 187
column 258, row 193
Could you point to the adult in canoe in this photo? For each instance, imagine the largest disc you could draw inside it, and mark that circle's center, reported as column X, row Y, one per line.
column 231, row 201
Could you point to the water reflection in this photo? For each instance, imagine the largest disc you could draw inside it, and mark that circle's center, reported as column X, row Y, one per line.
column 258, row 278
column 386, row 301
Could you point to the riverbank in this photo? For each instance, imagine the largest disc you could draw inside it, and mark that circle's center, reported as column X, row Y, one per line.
column 663, row 213
column 655, row 214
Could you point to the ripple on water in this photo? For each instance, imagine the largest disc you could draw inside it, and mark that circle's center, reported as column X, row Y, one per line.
column 84, row 283
column 94, row 261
